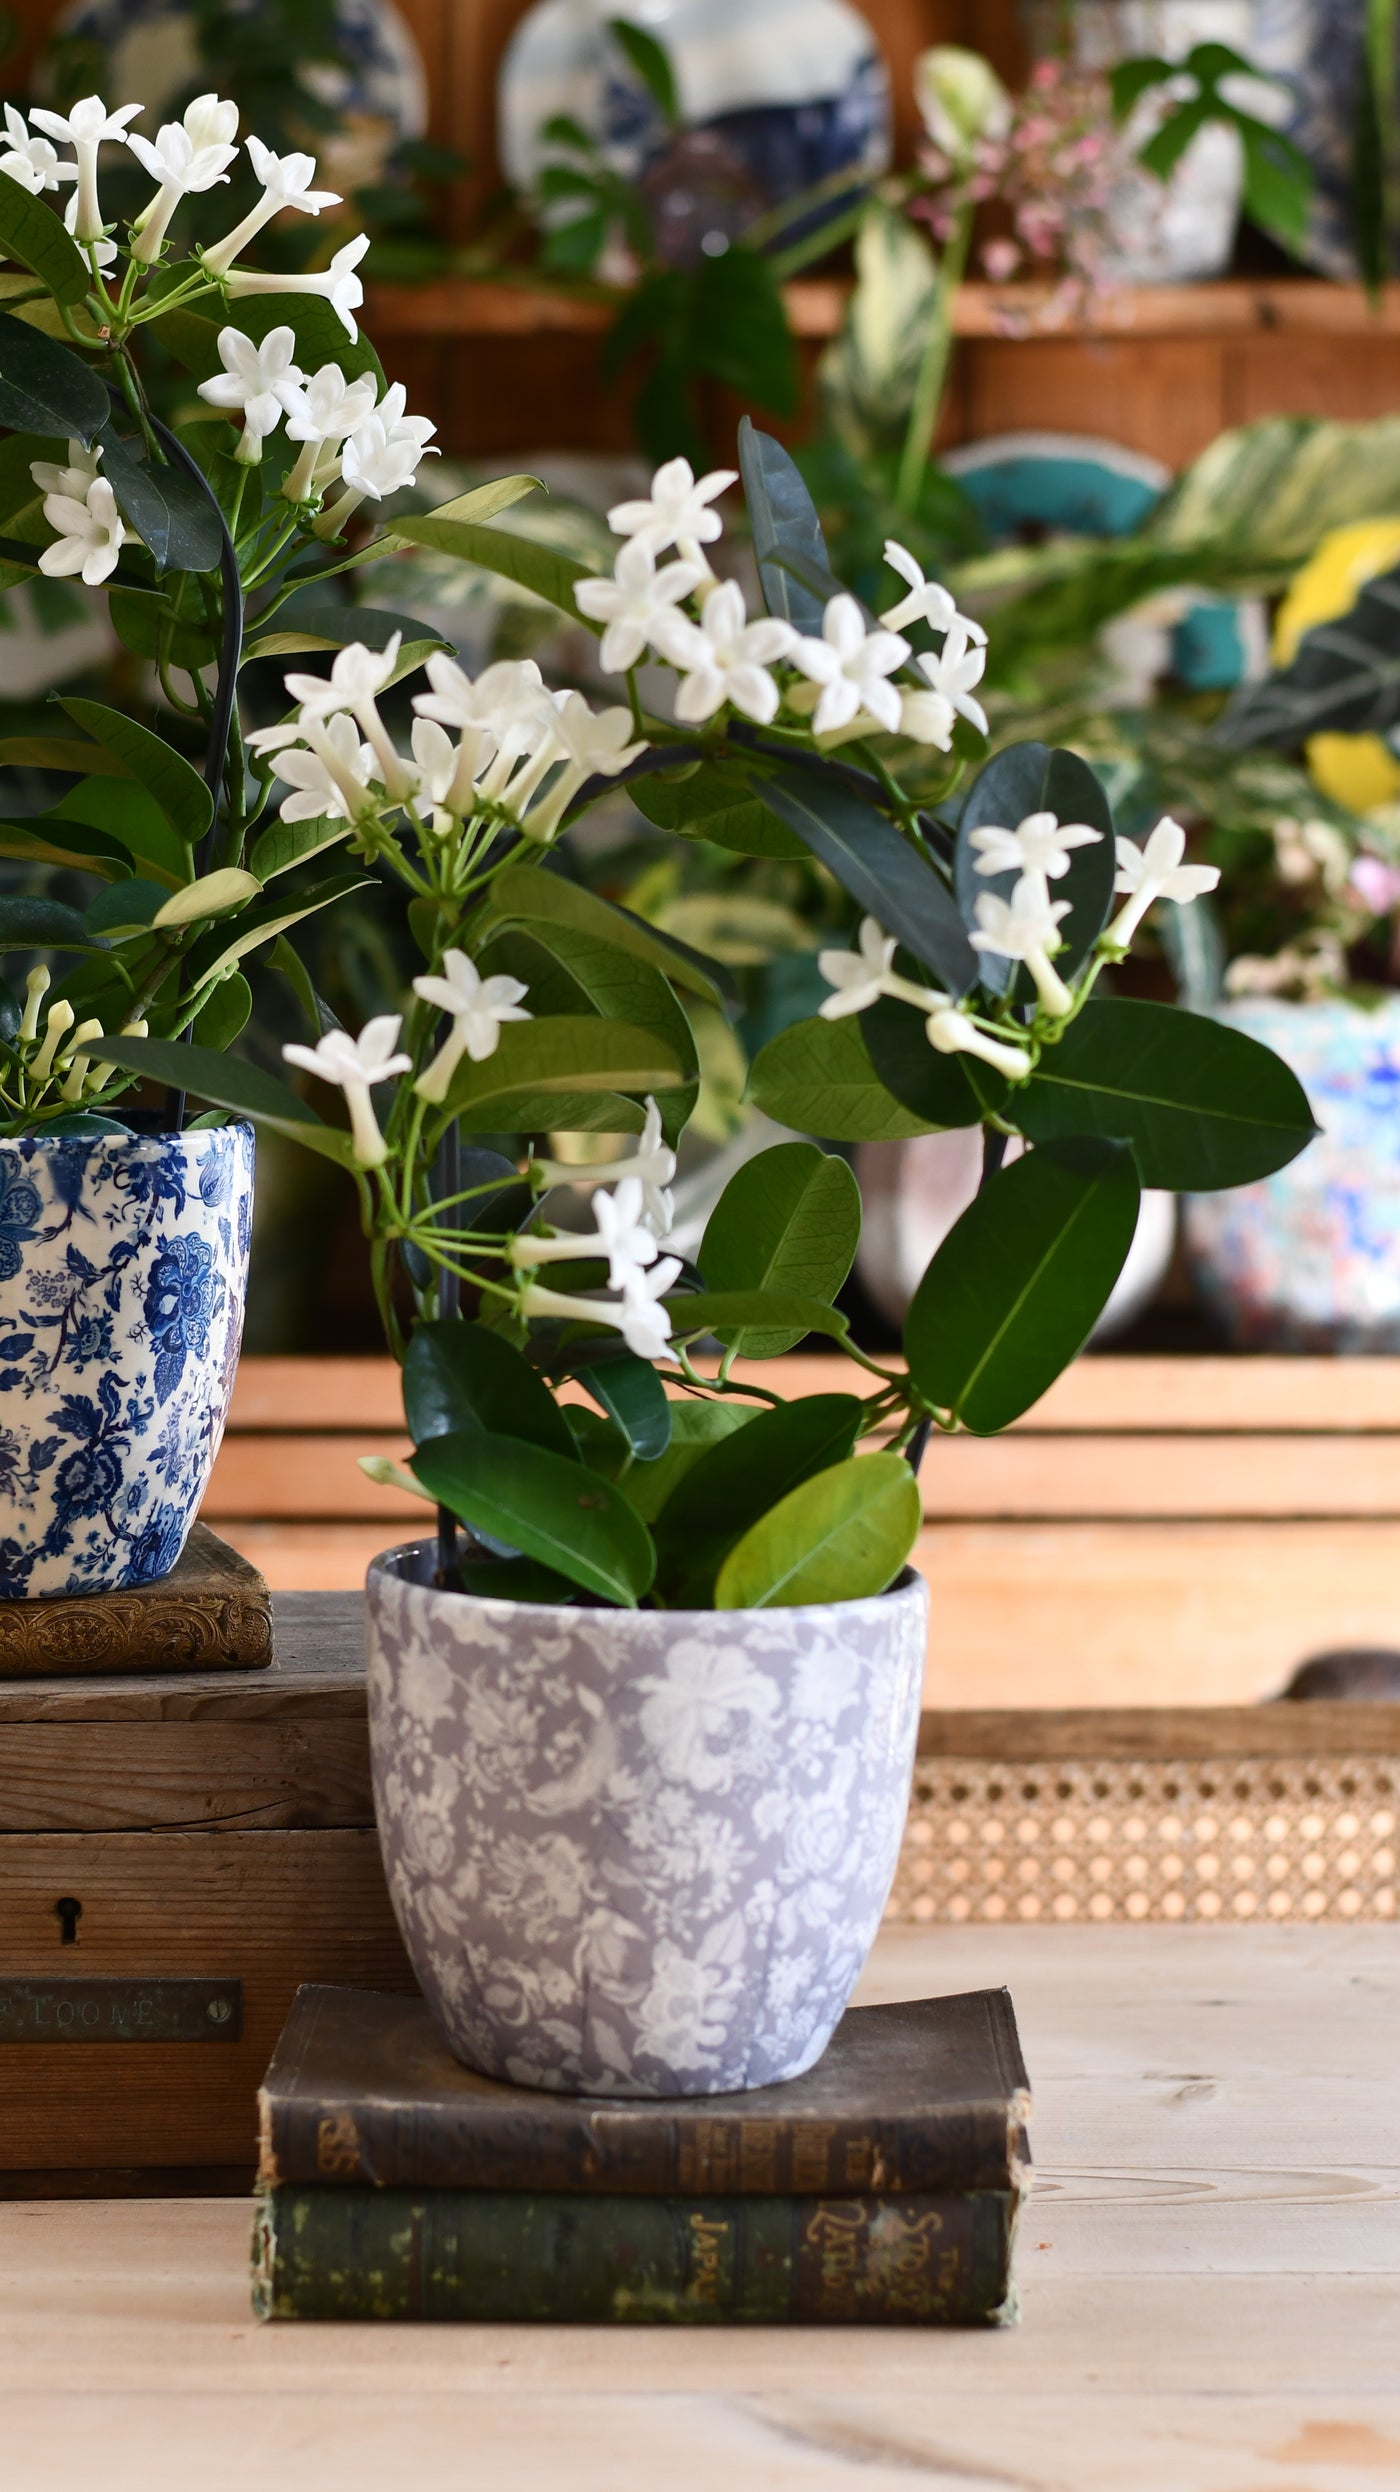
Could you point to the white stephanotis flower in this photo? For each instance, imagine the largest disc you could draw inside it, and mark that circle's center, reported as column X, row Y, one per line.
column 926, row 602
column 381, row 456
column 643, row 1322
column 1026, row 927
column 326, row 410
column 677, row 511
column 652, row 1162
column 211, row 121
column 357, row 677
column 72, row 480
column 506, row 712
column 634, row 600
column 926, row 717
column 258, row 382
column 853, row 667
column 102, row 254
column 86, row 126
column 90, row 534
column 958, row 666
column 1040, row 844
column 340, row 285
column 286, row 183
column 953, row 1033
column 180, row 169
column 860, row 978
column 724, row 657
column 1156, row 872
column 354, row 1065
column 324, row 763
column 479, row 1006
column 619, row 1232
column 30, row 161
column 591, row 744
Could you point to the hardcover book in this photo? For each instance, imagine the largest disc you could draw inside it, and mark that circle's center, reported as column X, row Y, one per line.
column 926, row 2096
column 213, row 1611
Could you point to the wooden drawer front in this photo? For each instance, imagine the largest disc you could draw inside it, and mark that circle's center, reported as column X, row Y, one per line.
column 270, row 1909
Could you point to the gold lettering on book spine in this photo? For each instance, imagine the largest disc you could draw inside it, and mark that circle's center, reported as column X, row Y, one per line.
column 878, row 2264
column 811, row 2156
column 708, row 2235
column 337, row 2144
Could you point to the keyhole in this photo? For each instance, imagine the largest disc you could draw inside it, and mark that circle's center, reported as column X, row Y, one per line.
column 68, row 1912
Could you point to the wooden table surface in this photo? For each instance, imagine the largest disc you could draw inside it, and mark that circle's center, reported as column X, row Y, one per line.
column 1210, row 2268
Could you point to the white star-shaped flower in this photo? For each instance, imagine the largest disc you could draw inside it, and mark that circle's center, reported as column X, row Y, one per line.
column 180, row 169
column 853, row 667
column 356, row 678
column 479, row 1008
column 340, row 285
column 74, row 479
column 860, row 978
column 1026, row 928
column 354, row 1065
column 724, row 657
column 926, row 718
column 1040, row 844
column 678, row 510
column 86, row 126
column 958, row 666
column 634, row 600
column 591, row 744
column 31, row 161
column 926, row 602
column 1156, row 871
column 90, row 534
column 286, row 183
column 651, row 1161
column 258, row 382
column 330, row 774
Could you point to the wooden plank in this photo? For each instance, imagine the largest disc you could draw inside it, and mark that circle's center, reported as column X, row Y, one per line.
column 1229, row 1731
column 82, row 1777
column 270, row 1908
column 1031, row 1476
column 317, row 1675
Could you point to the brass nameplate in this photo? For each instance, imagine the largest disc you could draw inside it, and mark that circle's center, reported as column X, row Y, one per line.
column 74, row 2009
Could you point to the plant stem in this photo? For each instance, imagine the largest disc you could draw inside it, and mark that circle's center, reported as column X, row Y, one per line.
column 933, row 366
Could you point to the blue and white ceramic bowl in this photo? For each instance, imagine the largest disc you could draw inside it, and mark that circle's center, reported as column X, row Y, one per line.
column 123, row 1272
column 774, row 99
column 1310, row 1259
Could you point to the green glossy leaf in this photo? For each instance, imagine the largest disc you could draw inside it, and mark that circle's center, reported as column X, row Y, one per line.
column 722, row 1311
column 265, row 919
column 165, row 774
column 695, row 1427
column 127, row 814
column 875, row 863
column 460, row 1379
column 632, row 1394
column 1203, row 1105
column 942, row 1091
column 48, row 840
column 540, row 568
column 227, row 1082
column 209, row 895
column 218, row 1023
column 1020, row 1280
column 176, row 519
column 57, row 752
column 47, row 925
column 651, row 63
column 787, row 534
column 714, row 801
column 549, row 1508
column 192, row 335
column 561, row 1111
column 738, row 1477
column 569, row 1053
column 285, row 844
column 520, row 1579
column 32, row 234
column 314, row 628
column 842, row 1536
column 43, row 387
column 21, row 500
column 567, row 971
column 156, row 626
column 525, row 895
column 1036, row 778
column 788, row 1220
column 818, row 1077
column 127, row 907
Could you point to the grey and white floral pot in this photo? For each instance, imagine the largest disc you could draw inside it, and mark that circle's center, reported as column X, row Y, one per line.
column 639, row 1852
column 123, row 1269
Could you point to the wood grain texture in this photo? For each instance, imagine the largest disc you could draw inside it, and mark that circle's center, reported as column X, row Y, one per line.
column 318, row 1673
column 211, row 1612
column 1209, row 2270
column 271, row 1909
column 87, row 1777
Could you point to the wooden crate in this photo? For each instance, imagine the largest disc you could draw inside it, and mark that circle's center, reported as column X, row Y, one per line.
column 1158, row 1531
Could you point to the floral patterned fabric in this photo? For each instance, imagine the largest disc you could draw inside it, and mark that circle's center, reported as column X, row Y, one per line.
column 123, row 1264
column 639, row 1852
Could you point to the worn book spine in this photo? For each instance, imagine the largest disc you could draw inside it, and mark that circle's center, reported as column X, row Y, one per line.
column 213, row 1611
column 357, row 2253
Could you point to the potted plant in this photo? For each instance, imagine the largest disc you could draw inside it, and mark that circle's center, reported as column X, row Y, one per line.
column 643, row 1707
column 124, row 1235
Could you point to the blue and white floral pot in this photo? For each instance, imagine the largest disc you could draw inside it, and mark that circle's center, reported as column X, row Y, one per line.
column 639, row 1852
column 1310, row 1259
column 123, row 1272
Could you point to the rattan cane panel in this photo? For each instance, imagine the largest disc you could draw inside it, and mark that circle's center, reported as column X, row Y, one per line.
column 1226, row 1839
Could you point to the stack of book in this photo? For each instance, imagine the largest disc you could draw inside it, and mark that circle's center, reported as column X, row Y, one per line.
column 881, row 2187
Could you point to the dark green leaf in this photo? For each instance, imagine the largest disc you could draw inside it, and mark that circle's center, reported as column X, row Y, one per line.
column 876, row 864
column 44, row 388
column 1169, row 142
column 722, row 1489
column 549, row 1508
column 193, row 336
column 48, row 840
column 1020, row 1280
column 565, row 970
column 41, row 242
column 784, row 521
column 1278, row 182
column 155, row 627
column 937, row 1089
column 519, row 1579
column 285, row 844
column 739, row 329
column 818, row 1078
column 715, row 801
column 217, row 1023
column 788, row 1220
column 568, row 1053
column 460, row 1379
column 227, row 1082
column 1132, row 78
column 842, row 1536
column 165, row 774
column 43, row 924
column 126, row 813
column 176, row 520
column 1202, row 1105
column 525, row 895
column 695, row 1427
column 1344, row 679
column 1036, row 778
column 631, row 1392
column 262, row 920
column 651, row 63
column 126, row 907
column 722, row 1311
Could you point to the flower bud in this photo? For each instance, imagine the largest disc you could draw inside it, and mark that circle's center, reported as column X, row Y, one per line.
column 36, row 987
column 961, row 100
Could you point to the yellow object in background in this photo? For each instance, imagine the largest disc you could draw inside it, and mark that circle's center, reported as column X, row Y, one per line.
column 1359, row 771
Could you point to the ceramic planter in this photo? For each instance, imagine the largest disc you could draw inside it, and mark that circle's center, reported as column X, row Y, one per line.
column 1310, row 1259
column 637, row 1851
column 123, row 1265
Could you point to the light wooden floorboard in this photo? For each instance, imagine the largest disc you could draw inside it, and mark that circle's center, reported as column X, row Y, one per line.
column 1210, row 2269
